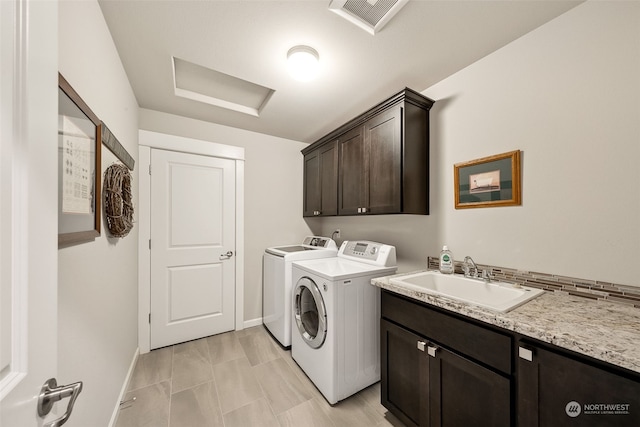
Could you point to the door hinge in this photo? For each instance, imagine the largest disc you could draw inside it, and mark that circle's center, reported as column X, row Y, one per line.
column 149, row 244
column 149, row 169
column 149, row 318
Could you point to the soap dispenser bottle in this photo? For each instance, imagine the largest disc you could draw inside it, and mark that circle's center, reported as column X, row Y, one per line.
column 446, row 261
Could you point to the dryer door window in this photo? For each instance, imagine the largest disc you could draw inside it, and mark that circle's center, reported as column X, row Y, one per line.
column 310, row 312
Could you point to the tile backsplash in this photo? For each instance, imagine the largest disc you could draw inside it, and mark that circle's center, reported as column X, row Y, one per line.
column 592, row 289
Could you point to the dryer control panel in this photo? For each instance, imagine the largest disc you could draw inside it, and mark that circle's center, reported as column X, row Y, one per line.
column 369, row 252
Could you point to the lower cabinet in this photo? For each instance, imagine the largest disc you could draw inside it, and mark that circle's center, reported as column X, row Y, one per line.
column 404, row 375
column 557, row 390
column 425, row 384
column 441, row 369
column 464, row 393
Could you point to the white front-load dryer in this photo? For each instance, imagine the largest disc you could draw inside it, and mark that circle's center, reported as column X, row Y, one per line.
column 335, row 335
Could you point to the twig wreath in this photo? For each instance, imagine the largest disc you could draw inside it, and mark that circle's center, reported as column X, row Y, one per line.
column 118, row 204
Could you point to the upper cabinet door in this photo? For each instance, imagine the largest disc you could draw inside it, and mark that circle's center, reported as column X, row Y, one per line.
column 383, row 162
column 351, row 193
column 321, row 181
column 329, row 179
column 312, row 184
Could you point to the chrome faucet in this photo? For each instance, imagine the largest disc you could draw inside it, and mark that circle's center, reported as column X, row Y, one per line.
column 469, row 265
column 487, row 275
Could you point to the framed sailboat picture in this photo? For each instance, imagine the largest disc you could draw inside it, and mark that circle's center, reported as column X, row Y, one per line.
column 488, row 182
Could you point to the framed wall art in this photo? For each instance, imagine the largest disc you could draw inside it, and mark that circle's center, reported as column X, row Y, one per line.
column 79, row 168
column 488, row 182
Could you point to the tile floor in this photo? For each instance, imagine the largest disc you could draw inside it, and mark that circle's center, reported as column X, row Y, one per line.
column 238, row 379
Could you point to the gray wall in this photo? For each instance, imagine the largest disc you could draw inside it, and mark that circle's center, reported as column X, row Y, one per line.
column 97, row 281
column 567, row 94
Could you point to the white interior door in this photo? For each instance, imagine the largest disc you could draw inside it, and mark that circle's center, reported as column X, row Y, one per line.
column 192, row 246
column 28, row 209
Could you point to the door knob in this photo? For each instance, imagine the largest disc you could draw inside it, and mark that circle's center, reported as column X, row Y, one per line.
column 51, row 393
column 227, row 255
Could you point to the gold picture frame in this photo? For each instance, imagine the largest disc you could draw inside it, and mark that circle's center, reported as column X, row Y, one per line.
column 488, row 182
column 79, row 168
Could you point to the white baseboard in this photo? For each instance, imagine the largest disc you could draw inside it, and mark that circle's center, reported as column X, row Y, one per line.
column 252, row 323
column 125, row 386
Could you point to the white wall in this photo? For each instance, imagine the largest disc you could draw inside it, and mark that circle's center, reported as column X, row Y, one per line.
column 273, row 190
column 98, row 280
column 568, row 95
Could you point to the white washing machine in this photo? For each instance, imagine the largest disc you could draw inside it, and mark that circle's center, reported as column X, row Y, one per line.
column 277, row 285
column 335, row 335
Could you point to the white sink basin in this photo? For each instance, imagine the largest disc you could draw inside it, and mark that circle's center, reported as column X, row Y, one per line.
column 498, row 296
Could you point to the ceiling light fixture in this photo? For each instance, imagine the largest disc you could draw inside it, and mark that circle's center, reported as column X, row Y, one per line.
column 303, row 62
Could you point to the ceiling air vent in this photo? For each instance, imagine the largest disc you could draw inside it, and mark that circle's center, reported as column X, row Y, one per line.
column 370, row 15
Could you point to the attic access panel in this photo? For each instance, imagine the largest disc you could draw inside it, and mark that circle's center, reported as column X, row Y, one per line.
column 198, row 83
column 370, row 15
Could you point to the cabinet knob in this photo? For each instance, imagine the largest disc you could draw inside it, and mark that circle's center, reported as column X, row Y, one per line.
column 421, row 345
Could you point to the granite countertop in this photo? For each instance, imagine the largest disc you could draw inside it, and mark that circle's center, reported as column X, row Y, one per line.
column 603, row 330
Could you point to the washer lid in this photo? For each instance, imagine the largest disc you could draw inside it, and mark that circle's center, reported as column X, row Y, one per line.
column 289, row 249
column 310, row 243
column 336, row 268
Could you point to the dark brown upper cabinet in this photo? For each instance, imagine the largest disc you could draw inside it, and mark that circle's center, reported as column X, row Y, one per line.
column 321, row 181
column 382, row 162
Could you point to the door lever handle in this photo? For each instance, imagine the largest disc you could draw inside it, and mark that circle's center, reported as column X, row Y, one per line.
column 51, row 393
column 228, row 255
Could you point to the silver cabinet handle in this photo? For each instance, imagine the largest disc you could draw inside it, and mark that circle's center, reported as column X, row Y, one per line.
column 228, row 255
column 432, row 350
column 525, row 353
column 51, row 393
column 421, row 345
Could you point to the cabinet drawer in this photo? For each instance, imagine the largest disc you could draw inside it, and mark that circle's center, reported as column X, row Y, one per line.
column 474, row 341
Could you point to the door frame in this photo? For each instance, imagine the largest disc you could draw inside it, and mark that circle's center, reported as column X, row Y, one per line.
column 153, row 140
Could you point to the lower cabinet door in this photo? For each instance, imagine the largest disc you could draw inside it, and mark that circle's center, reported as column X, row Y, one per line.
column 404, row 374
column 556, row 390
column 463, row 393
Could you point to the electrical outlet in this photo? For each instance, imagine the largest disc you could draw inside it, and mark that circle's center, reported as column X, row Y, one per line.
column 337, row 233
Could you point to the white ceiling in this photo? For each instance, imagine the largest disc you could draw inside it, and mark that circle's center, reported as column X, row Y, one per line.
column 424, row 43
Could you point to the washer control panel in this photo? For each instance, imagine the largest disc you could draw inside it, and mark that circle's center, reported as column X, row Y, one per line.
column 320, row 242
column 369, row 252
